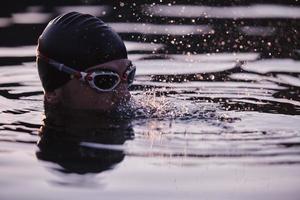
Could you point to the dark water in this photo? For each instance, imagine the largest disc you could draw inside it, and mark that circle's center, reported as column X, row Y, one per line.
column 216, row 102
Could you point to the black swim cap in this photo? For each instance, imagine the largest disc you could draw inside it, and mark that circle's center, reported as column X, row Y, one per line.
column 78, row 41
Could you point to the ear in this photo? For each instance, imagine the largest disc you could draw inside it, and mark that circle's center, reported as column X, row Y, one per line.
column 52, row 97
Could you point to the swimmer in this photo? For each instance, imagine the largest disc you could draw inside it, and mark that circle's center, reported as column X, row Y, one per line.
column 83, row 64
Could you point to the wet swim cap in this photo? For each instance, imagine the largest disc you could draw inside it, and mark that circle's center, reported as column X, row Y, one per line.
column 78, row 41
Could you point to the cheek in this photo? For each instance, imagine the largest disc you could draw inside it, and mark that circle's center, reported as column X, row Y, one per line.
column 81, row 96
column 89, row 98
column 78, row 95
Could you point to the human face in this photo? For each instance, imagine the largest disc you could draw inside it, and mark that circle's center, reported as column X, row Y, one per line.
column 79, row 95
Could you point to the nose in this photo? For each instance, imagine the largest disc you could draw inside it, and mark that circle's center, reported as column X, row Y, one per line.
column 122, row 92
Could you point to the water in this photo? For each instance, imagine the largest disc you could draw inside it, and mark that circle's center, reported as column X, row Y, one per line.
column 212, row 120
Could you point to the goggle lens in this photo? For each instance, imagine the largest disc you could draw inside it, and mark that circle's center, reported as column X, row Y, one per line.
column 106, row 81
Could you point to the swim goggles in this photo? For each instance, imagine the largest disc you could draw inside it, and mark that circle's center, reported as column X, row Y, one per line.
column 102, row 80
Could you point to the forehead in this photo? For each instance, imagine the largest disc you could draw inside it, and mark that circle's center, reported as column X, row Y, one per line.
column 118, row 66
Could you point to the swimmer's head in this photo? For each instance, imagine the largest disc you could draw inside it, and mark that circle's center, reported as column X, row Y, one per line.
column 82, row 63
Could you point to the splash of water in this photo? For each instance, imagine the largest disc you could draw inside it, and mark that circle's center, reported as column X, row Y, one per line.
column 151, row 104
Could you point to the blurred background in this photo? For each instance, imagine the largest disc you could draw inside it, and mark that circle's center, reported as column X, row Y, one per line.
column 269, row 27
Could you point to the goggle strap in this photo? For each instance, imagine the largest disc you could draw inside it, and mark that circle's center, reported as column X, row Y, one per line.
column 76, row 75
column 59, row 66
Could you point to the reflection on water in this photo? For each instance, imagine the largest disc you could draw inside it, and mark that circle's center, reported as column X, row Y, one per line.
column 165, row 29
column 216, row 95
column 61, row 138
column 234, row 12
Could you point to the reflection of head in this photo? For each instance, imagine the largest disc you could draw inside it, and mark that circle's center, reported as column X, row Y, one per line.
column 61, row 142
column 72, row 50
